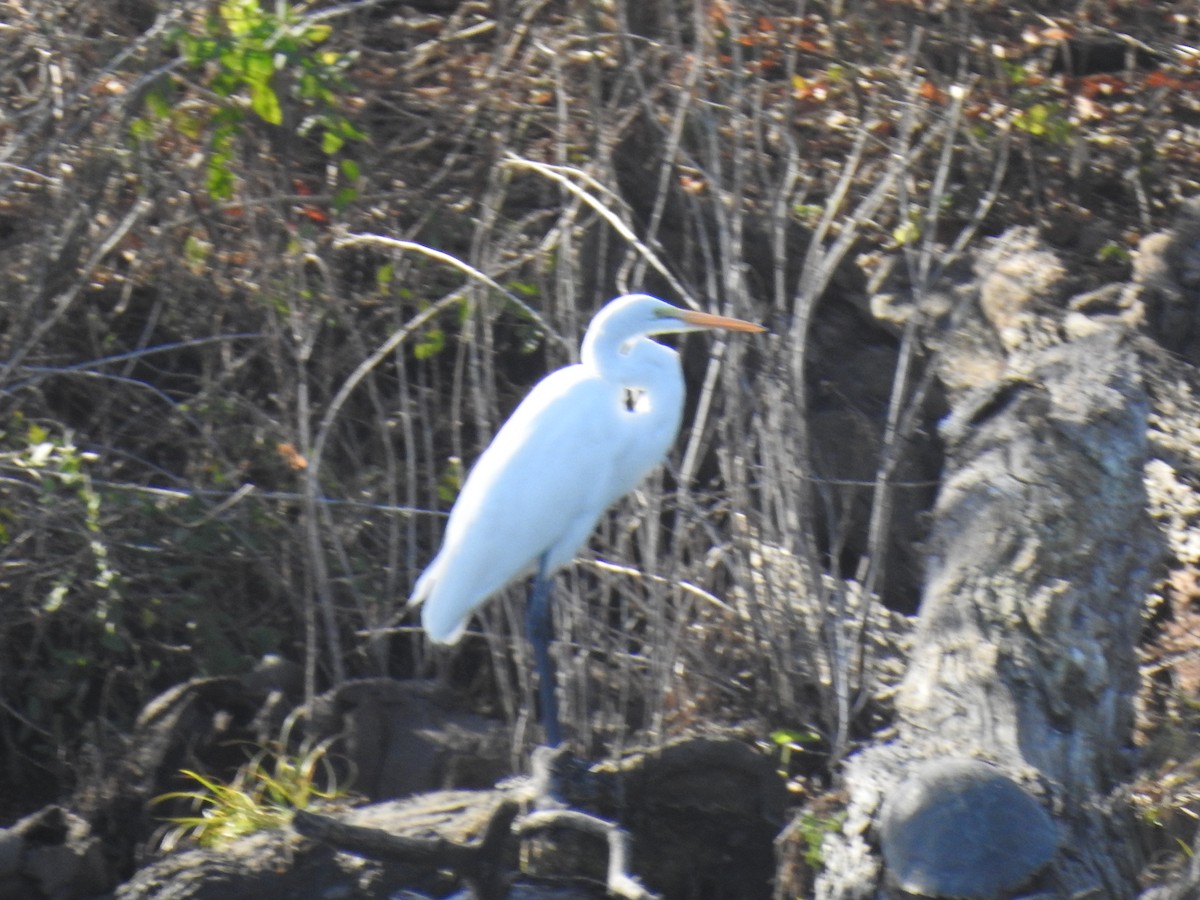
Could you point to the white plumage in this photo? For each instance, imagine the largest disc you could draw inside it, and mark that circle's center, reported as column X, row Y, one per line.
column 584, row 436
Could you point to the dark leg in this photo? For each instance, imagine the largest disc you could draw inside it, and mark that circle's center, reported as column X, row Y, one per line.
column 540, row 626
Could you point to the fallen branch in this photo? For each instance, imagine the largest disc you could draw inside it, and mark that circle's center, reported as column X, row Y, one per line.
column 478, row 863
column 619, row 882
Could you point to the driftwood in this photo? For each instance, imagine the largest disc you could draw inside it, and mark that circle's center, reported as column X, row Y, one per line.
column 618, row 882
column 1041, row 556
column 481, row 863
column 696, row 819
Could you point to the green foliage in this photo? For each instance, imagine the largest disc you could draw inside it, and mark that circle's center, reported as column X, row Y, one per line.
column 1048, row 121
column 385, row 275
column 1114, row 252
column 112, row 593
column 265, row 62
column 527, row 332
column 808, row 213
column 451, row 481
column 908, row 231
column 65, row 626
column 262, row 796
column 789, row 741
column 58, row 468
column 813, row 827
column 1035, row 112
column 432, row 339
column 431, row 343
column 524, row 289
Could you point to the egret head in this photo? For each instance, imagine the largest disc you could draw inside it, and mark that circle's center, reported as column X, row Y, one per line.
column 638, row 315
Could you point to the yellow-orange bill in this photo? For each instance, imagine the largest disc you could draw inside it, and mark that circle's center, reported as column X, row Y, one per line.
column 708, row 320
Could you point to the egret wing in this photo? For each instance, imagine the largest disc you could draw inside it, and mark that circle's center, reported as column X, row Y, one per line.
column 541, row 484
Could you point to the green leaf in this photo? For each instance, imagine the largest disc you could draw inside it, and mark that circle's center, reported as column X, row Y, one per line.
column 195, row 250
column 309, row 86
column 241, row 16
column 785, row 736
column 349, row 131
column 1113, row 252
column 451, row 481
column 431, row 344
column 1017, row 73
column 226, row 84
column 906, row 233
column 233, row 62
column 188, row 125
column 259, row 65
column 284, row 48
column 332, row 142
column 220, row 179
column 1037, row 117
column 524, row 288
column 265, row 102
column 350, row 169
column 190, row 49
column 226, row 124
column 344, row 198
column 157, row 104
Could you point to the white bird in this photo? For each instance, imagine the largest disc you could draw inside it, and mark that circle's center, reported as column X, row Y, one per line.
column 584, row 437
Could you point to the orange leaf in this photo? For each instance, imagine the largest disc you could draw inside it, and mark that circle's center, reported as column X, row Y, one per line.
column 1162, row 79
column 315, row 215
column 1102, row 84
column 932, row 92
column 291, row 456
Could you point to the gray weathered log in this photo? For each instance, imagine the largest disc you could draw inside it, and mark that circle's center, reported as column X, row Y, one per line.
column 482, row 863
column 1040, row 559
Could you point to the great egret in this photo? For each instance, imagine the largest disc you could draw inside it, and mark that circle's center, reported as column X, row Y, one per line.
column 585, row 436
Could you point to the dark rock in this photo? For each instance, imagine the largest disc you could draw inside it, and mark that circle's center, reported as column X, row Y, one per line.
column 52, row 854
column 961, row 828
column 401, row 737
